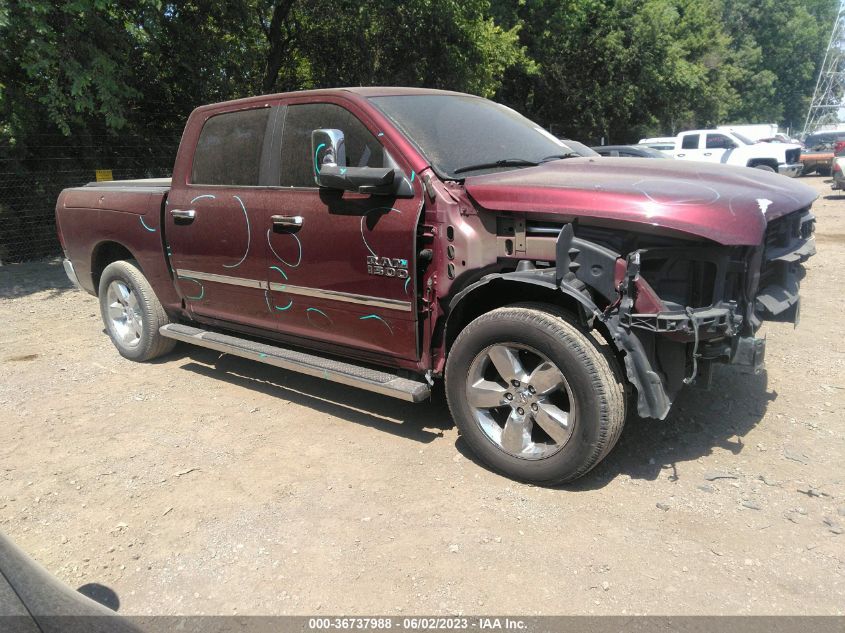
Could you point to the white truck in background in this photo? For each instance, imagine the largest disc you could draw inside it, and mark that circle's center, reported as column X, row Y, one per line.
column 733, row 148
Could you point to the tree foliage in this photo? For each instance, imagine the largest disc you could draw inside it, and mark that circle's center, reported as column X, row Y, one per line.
column 586, row 68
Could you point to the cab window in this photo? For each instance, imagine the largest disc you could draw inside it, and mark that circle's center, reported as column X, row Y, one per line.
column 690, row 141
column 229, row 149
column 362, row 148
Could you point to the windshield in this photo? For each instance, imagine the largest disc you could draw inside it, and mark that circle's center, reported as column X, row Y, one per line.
column 742, row 138
column 455, row 132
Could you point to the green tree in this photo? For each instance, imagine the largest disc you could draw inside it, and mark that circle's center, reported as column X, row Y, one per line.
column 444, row 44
column 783, row 43
column 63, row 65
column 615, row 68
column 587, row 68
column 623, row 68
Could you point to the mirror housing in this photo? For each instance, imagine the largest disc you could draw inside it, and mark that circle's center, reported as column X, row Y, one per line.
column 372, row 180
column 328, row 148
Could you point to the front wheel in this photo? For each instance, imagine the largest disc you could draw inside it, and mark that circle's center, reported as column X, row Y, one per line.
column 534, row 395
column 132, row 313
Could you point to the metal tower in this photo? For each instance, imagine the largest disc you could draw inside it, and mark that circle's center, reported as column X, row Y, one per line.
column 829, row 94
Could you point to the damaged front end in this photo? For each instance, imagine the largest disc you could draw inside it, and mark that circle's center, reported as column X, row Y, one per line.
column 676, row 309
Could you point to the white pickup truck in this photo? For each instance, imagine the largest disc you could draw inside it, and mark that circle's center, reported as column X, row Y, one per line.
column 732, row 148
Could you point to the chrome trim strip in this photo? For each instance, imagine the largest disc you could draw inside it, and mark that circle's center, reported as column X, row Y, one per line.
column 222, row 279
column 333, row 295
column 348, row 297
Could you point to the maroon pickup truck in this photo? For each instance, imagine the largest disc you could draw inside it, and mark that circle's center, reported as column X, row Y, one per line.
column 388, row 237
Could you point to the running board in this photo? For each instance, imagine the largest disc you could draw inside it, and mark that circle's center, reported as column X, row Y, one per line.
column 337, row 371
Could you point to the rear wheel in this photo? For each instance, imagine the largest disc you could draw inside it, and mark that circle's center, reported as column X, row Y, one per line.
column 533, row 394
column 132, row 313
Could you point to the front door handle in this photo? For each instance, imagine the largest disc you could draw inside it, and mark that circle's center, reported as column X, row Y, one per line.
column 681, row 155
column 287, row 221
column 708, row 153
column 183, row 214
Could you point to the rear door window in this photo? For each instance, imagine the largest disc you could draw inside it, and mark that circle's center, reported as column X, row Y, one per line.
column 229, row 149
column 297, row 168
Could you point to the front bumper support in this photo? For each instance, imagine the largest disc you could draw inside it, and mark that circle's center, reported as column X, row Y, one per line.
column 792, row 170
column 749, row 352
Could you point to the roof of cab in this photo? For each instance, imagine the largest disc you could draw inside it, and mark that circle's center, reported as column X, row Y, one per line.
column 363, row 91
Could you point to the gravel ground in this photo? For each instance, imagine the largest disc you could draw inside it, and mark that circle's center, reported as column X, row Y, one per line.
column 200, row 484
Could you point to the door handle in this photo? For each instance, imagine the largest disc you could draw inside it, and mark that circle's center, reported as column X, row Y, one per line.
column 183, row 214
column 287, row 220
column 708, row 153
column 680, row 155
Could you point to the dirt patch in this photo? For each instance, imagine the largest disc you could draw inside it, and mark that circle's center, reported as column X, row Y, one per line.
column 204, row 483
column 832, row 237
column 21, row 358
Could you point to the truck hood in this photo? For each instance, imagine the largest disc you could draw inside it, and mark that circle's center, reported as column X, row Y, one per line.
column 725, row 204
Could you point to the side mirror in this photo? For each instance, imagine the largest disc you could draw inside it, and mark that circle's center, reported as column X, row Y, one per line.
column 328, row 148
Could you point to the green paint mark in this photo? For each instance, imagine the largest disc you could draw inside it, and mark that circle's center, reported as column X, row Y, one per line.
column 197, row 282
column 277, row 269
column 316, row 153
column 378, row 318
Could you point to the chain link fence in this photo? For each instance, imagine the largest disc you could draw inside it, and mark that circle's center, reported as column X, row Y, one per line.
column 30, row 185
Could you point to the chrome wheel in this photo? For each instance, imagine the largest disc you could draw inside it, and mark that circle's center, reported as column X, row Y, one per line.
column 521, row 401
column 124, row 313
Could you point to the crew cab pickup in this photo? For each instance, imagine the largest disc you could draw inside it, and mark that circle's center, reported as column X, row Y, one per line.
column 732, row 148
column 389, row 237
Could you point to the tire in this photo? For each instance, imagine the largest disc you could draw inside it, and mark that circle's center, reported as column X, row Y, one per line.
column 591, row 394
column 765, row 168
column 824, row 171
column 132, row 313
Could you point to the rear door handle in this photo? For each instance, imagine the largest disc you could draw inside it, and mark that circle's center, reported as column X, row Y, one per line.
column 287, row 220
column 183, row 214
column 708, row 153
column 680, row 155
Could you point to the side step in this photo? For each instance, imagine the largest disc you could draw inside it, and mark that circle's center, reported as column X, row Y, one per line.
column 337, row 371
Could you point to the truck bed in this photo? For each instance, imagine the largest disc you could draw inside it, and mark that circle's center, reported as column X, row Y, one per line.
column 100, row 218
